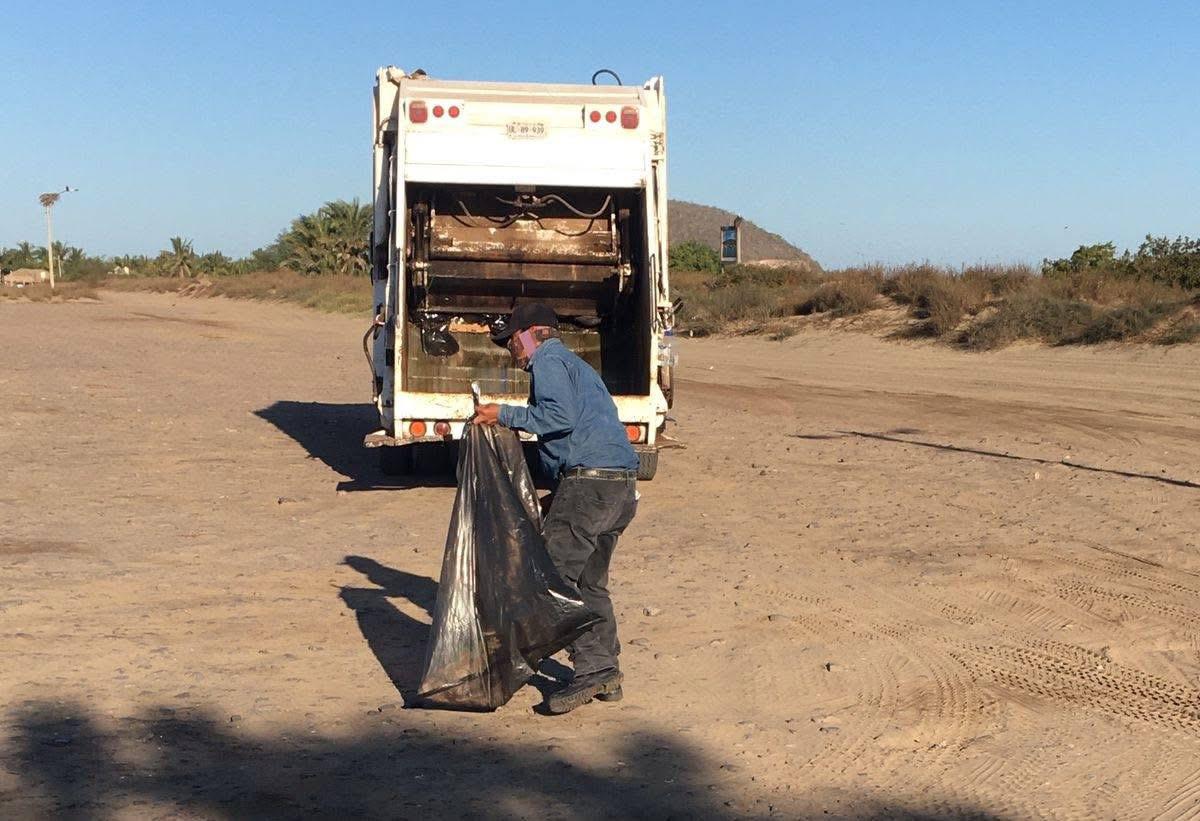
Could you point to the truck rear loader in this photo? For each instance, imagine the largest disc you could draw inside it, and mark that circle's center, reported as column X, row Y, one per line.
column 490, row 194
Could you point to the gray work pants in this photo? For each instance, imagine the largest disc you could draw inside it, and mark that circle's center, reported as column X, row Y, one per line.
column 586, row 517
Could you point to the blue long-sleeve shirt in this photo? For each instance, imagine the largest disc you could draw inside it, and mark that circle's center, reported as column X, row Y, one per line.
column 572, row 414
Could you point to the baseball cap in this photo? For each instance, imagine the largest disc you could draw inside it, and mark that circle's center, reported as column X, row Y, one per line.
column 525, row 315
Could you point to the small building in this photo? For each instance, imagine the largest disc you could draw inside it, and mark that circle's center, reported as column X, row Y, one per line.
column 26, row 276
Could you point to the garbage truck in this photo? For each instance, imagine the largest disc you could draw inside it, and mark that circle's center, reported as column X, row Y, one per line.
column 488, row 194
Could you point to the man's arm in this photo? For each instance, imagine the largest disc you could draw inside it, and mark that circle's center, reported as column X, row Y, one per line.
column 553, row 409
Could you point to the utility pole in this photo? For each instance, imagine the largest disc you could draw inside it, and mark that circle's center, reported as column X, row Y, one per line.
column 48, row 201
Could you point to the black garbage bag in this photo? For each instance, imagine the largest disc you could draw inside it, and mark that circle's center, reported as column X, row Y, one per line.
column 501, row 606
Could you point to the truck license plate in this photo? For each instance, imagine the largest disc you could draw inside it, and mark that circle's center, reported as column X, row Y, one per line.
column 525, row 131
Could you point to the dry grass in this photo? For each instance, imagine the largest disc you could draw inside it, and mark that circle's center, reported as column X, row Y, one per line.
column 330, row 293
column 981, row 307
column 741, row 299
column 1183, row 329
column 1030, row 315
column 1124, row 322
column 940, row 299
column 63, row 292
column 841, row 297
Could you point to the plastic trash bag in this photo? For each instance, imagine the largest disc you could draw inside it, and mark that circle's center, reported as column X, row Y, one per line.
column 501, row 606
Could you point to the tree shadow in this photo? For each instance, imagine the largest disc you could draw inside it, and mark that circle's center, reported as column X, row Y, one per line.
column 74, row 765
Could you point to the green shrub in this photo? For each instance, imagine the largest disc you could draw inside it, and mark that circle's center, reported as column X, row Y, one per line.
column 1170, row 261
column 694, row 256
column 1101, row 257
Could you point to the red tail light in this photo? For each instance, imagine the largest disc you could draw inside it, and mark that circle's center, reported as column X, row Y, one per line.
column 634, row 432
column 611, row 117
column 594, row 116
column 417, row 112
column 441, row 428
column 438, row 111
column 416, row 428
column 629, row 117
column 454, row 111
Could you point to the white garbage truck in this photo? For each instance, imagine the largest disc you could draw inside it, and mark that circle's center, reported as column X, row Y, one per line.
column 489, row 194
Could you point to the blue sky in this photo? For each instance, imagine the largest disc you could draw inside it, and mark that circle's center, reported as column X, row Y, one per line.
column 945, row 131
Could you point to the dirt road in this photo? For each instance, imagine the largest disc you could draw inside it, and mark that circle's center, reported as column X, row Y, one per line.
column 885, row 579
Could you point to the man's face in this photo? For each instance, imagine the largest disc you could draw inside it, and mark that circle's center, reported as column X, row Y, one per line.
column 522, row 344
column 514, row 349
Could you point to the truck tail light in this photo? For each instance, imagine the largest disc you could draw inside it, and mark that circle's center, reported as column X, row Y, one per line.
column 441, row 428
column 416, row 428
column 636, row 433
column 610, row 117
column 594, row 116
column 629, row 117
column 417, row 112
column 454, row 111
column 438, row 111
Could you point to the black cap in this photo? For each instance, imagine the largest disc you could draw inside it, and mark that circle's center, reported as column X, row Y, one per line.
column 525, row 315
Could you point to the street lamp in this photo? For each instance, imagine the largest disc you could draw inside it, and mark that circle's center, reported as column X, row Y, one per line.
column 48, row 201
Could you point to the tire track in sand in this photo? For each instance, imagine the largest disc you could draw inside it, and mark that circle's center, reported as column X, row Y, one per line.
column 915, row 705
column 1073, row 676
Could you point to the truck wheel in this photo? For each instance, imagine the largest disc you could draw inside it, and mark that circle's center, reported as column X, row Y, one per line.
column 647, row 464
column 666, row 381
column 395, row 461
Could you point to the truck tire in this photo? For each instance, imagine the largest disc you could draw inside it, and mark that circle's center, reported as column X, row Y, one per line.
column 647, row 465
column 395, row 461
column 666, row 381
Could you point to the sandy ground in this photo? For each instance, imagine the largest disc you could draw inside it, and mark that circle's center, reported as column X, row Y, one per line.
column 210, row 601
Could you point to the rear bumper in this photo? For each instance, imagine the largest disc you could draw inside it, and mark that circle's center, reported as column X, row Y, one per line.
column 457, row 409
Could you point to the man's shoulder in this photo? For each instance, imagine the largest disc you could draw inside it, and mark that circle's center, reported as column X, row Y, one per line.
column 554, row 350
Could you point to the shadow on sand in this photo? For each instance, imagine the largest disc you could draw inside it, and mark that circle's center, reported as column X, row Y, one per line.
column 396, row 639
column 67, row 762
column 334, row 434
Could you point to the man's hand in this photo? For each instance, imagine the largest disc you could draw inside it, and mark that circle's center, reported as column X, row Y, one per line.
column 488, row 414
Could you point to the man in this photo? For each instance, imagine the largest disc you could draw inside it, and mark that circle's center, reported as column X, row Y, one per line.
column 583, row 445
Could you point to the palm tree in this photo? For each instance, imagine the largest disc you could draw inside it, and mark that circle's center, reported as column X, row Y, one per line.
column 28, row 256
column 180, row 258
column 333, row 240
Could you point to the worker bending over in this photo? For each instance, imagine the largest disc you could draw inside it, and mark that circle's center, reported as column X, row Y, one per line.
column 583, row 445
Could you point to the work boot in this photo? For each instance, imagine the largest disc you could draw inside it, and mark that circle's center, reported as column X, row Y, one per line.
column 604, row 685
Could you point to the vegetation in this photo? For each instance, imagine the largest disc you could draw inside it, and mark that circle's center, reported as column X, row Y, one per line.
column 333, row 240
column 1158, row 259
column 335, row 293
column 1093, row 296
column 845, row 296
column 65, row 292
column 694, row 256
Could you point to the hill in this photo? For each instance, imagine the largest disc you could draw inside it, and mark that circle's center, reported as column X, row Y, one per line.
column 690, row 222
